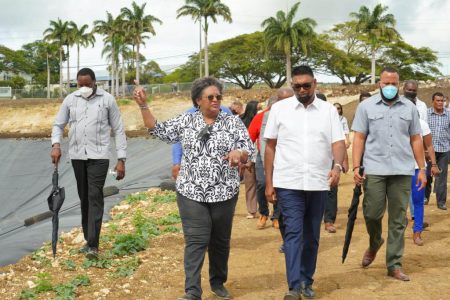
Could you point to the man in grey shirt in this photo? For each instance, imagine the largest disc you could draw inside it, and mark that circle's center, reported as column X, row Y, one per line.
column 388, row 132
column 92, row 115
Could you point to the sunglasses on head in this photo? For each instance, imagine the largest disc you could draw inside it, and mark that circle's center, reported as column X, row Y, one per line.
column 205, row 133
column 211, row 97
column 305, row 86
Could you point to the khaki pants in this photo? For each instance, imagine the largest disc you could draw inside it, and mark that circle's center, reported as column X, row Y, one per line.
column 395, row 191
column 250, row 191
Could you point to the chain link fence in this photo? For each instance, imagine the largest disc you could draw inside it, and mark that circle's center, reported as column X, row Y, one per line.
column 152, row 89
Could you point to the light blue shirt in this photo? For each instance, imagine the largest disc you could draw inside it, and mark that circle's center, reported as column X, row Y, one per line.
column 388, row 130
column 91, row 123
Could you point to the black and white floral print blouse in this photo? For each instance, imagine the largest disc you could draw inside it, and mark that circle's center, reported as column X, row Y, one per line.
column 205, row 176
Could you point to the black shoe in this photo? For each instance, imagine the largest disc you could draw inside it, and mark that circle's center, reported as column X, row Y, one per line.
column 293, row 295
column 84, row 249
column 307, row 291
column 221, row 292
column 189, row 297
column 426, row 201
column 425, row 225
column 92, row 253
column 281, row 249
column 443, row 207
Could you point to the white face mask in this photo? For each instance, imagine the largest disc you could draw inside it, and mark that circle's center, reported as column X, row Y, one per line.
column 86, row 92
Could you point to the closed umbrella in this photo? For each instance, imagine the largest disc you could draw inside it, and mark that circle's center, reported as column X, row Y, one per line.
column 352, row 211
column 55, row 201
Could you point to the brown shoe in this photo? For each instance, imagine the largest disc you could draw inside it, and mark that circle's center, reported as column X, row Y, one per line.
column 330, row 227
column 275, row 224
column 369, row 256
column 398, row 274
column 417, row 239
column 261, row 222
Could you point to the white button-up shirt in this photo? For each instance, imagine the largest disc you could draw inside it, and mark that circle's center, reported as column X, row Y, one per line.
column 303, row 155
column 91, row 123
column 422, row 108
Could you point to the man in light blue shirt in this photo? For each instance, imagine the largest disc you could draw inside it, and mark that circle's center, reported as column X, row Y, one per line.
column 388, row 132
column 92, row 115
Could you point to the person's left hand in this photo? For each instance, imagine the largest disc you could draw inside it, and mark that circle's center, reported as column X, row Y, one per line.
column 120, row 169
column 333, row 177
column 422, row 179
column 234, row 158
column 435, row 171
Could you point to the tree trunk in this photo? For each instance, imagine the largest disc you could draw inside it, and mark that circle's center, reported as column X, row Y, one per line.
column 113, row 69
column 200, row 51
column 60, row 73
column 117, row 77
column 48, row 79
column 373, row 67
column 68, row 70
column 123, row 75
column 288, row 66
column 137, row 63
column 78, row 58
column 206, row 49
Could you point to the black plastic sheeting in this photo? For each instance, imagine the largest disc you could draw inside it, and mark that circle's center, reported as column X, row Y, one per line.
column 25, row 183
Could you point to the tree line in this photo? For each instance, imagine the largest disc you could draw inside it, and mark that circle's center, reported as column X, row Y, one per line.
column 352, row 51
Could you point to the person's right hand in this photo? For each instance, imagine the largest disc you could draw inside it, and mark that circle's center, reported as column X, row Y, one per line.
column 358, row 178
column 55, row 154
column 139, row 94
column 175, row 171
column 271, row 196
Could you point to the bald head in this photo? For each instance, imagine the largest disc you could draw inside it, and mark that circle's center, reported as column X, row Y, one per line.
column 284, row 93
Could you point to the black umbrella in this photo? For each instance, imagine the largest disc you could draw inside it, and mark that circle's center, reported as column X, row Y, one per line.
column 55, row 201
column 352, row 211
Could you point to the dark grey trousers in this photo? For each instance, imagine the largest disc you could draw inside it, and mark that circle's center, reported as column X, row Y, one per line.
column 440, row 184
column 206, row 227
column 91, row 175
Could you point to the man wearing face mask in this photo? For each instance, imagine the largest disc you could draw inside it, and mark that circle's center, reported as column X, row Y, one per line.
column 92, row 115
column 303, row 135
column 410, row 88
column 387, row 130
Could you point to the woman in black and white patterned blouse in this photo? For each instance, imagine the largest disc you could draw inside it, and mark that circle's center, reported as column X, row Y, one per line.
column 214, row 145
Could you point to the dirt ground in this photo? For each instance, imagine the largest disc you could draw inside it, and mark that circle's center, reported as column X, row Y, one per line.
column 257, row 270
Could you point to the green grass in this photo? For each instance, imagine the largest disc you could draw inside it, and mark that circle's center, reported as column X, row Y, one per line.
column 171, row 219
column 133, row 198
column 165, row 198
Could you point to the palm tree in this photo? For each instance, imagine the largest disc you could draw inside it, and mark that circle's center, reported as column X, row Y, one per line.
column 205, row 9
column 111, row 30
column 51, row 50
column 281, row 33
column 138, row 24
column 81, row 38
column 378, row 28
column 56, row 33
column 69, row 41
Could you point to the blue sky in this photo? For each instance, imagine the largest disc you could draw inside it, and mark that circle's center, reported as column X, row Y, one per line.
column 421, row 23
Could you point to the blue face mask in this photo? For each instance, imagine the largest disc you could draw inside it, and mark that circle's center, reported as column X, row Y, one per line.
column 389, row 92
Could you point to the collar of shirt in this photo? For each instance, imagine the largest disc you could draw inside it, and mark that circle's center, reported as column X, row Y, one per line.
column 400, row 100
column 314, row 105
column 444, row 111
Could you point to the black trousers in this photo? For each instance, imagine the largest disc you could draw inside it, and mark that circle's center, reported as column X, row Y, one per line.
column 91, row 175
column 331, row 206
column 206, row 227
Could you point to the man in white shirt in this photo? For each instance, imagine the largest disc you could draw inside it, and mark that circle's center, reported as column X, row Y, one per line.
column 303, row 135
column 410, row 88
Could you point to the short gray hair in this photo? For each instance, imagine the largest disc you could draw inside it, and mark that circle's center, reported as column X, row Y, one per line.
column 202, row 83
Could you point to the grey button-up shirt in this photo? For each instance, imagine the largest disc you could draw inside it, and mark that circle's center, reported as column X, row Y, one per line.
column 91, row 123
column 388, row 130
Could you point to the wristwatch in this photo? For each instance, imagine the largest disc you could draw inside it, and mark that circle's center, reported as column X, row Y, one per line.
column 339, row 166
column 122, row 159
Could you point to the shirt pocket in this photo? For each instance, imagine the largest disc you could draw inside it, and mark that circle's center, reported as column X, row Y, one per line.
column 403, row 123
column 376, row 122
